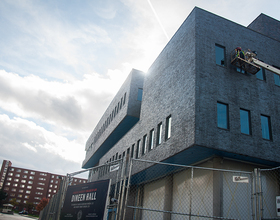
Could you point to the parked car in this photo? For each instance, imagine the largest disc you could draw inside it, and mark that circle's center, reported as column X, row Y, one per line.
column 23, row 212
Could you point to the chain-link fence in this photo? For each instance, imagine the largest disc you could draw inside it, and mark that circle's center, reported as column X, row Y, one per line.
column 113, row 170
column 169, row 191
column 269, row 193
column 116, row 172
column 154, row 190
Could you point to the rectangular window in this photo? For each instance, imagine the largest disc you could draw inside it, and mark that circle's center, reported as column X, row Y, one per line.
column 138, row 149
column 240, row 70
column 144, row 147
column 124, row 98
column 127, row 152
column 222, row 115
column 140, row 93
column 245, row 123
column 168, row 128
column 220, row 55
column 277, row 79
column 132, row 151
column 151, row 140
column 266, row 127
column 159, row 131
column 260, row 74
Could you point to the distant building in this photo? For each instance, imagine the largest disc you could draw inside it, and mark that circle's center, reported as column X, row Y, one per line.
column 30, row 185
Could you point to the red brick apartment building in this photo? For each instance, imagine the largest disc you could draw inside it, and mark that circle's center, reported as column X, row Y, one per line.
column 30, row 185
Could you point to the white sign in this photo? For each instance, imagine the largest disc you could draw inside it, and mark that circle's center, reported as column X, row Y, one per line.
column 114, row 167
column 240, row 179
column 278, row 205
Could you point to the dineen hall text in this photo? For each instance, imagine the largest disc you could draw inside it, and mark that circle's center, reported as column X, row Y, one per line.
column 84, row 197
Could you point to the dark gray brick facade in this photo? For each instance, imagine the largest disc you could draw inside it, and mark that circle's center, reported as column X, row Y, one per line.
column 185, row 82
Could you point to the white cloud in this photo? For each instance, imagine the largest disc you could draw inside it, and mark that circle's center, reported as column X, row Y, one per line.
column 71, row 104
column 21, row 138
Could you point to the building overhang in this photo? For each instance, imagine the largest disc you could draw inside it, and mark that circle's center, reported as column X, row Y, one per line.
column 191, row 156
column 127, row 123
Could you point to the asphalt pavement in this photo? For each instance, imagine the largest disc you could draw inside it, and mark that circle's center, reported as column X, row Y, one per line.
column 15, row 217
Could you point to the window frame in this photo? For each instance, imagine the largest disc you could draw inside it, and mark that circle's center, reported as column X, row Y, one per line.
column 224, row 56
column 248, row 123
column 144, row 144
column 132, row 151
column 269, row 128
column 138, row 149
column 219, row 122
column 262, row 71
column 140, row 94
column 159, row 134
column 168, row 124
column 151, row 139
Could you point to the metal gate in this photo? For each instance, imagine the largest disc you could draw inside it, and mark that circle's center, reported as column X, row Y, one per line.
column 268, row 193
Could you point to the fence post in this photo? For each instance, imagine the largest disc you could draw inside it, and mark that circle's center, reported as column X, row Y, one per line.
column 128, row 188
column 260, row 193
column 118, row 213
column 257, row 193
column 62, row 195
column 253, row 205
column 191, row 189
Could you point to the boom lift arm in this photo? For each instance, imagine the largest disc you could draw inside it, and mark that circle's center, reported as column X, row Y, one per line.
column 251, row 58
column 250, row 63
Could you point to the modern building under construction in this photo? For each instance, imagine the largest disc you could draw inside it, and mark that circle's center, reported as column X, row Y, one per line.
column 199, row 106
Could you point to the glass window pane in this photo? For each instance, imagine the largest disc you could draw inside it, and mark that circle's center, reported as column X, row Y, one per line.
column 168, row 128
column 132, row 151
column 245, row 121
column 222, row 115
column 276, row 79
column 260, row 74
column 159, row 131
column 140, row 93
column 220, row 55
column 151, row 142
column 144, row 147
column 266, row 130
column 138, row 149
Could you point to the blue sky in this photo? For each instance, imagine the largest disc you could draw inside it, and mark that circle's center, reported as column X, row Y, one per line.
column 61, row 62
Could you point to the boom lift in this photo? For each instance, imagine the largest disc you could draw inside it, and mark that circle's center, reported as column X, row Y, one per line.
column 250, row 63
